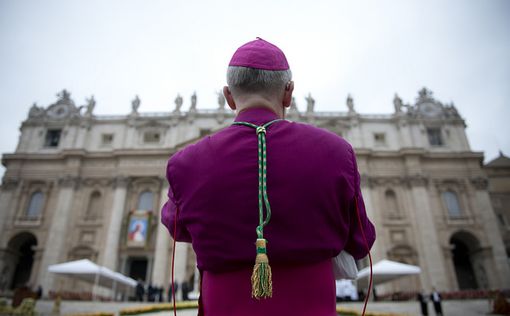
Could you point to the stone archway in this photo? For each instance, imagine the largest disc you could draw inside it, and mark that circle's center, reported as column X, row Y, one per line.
column 465, row 249
column 21, row 259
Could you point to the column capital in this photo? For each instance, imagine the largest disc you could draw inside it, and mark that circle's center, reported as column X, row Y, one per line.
column 121, row 182
column 416, row 181
column 480, row 183
column 10, row 183
column 68, row 181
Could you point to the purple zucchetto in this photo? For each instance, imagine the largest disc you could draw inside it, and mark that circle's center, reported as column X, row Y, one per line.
column 260, row 54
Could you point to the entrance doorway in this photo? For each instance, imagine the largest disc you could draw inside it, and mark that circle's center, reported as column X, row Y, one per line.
column 464, row 245
column 21, row 247
column 137, row 268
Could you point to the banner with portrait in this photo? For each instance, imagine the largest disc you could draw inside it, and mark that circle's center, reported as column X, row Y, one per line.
column 138, row 229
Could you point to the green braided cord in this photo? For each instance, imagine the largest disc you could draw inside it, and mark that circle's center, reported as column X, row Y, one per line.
column 262, row 162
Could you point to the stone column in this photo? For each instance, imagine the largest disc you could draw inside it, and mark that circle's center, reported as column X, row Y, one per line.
column 7, row 212
column 450, row 267
column 150, row 266
column 111, row 248
column 8, row 262
column 38, row 254
column 161, row 256
column 377, row 251
column 431, row 259
column 181, row 261
column 55, row 243
column 490, row 224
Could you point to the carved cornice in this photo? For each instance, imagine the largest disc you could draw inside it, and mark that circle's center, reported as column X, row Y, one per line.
column 385, row 181
column 410, row 181
column 416, row 181
column 151, row 124
column 90, row 182
column 9, row 184
column 444, row 184
column 68, row 182
column 480, row 183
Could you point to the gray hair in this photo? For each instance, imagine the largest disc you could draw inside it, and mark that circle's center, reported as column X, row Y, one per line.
column 249, row 80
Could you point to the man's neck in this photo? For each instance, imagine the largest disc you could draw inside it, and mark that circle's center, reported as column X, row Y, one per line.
column 259, row 102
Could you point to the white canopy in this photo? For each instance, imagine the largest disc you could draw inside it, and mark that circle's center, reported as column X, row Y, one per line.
column 384, row 271
column 88, row 271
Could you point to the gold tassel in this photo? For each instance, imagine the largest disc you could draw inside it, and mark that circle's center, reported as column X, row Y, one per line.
column 261, row 278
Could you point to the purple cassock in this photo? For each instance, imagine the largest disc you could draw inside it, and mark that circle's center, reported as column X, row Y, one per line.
column 312, row 183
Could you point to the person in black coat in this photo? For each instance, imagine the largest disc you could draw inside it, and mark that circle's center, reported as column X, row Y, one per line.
column 436, row 298
column 150, row 293
column 423, row 304
column 185, row 290
column 140, row 291
column 170, row 293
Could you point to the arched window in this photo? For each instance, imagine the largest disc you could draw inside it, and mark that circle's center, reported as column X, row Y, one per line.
column 145, row 201
column 452, row 203
column 94, row 207
column 391, row 203
column 35, row 204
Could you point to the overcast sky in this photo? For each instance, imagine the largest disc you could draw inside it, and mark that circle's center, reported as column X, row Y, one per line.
column 156, row 49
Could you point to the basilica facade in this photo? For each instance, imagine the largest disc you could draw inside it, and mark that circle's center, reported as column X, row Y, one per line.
column 81, row 185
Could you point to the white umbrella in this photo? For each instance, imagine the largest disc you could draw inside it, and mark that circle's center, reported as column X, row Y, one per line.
column 88, row 271
column 385, row 271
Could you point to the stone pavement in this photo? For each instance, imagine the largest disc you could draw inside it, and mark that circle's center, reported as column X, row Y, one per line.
column 450, row 308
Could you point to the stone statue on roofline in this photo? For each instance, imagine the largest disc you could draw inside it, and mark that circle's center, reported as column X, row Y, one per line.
column 193, row 106
column 35, row 111
column 424, row 95
column 293, row 106
column 64, row 95
column 451, row 110
column 397, row 102
column 350, row 104
column 91, row 104
column 135, row 104
column 178, row 103
column 310, row 103
column 221, row 100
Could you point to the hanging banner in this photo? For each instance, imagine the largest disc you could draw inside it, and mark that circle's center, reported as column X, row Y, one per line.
column 138, row 229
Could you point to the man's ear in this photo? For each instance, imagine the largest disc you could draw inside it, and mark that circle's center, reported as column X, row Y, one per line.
column 287, row 95
column 230, row 99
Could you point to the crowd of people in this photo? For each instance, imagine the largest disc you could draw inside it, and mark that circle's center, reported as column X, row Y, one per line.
column 154, row 293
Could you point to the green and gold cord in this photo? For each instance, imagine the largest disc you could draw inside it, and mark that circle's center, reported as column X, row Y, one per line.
column 261, row 278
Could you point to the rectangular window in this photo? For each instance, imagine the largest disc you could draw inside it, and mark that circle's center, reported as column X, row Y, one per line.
column 151, row 137
column 434, row 135
column 52, row 137
column 106, row 139
column 380, row 139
